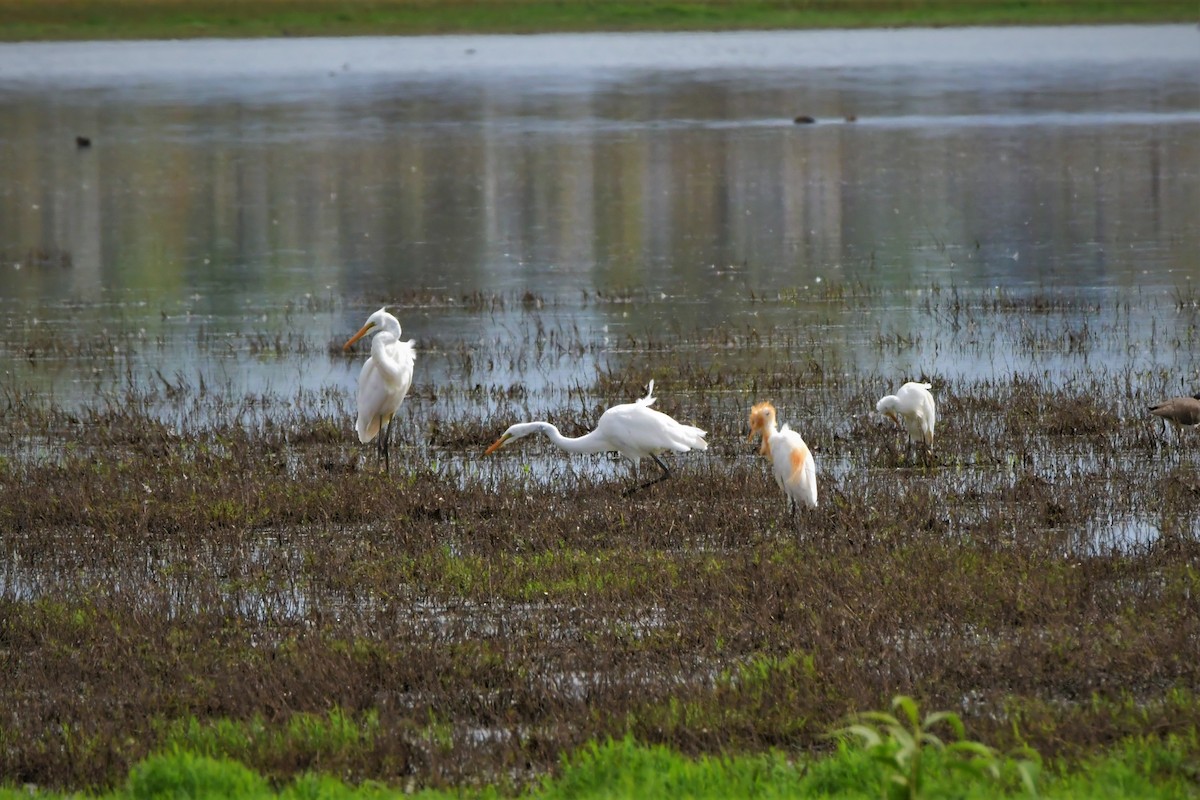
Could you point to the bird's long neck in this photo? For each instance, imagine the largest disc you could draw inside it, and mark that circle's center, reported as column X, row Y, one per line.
column 770, row 433
column 384, row 359
column 588, row 443
column 381, row 341
column 768, row 430
column 389, row 324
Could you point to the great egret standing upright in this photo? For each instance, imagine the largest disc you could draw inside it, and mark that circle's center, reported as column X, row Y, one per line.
column 384, row 380
column 913, row 407
column 635, row 430
column 791, row 462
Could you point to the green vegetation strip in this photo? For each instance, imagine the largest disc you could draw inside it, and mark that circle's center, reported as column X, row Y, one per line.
column 21, row 20
column 892, row 766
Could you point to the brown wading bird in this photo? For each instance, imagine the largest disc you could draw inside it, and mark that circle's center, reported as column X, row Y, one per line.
column 635, row 430
column 791, row 462
column 1179, row 411
column 384, row 380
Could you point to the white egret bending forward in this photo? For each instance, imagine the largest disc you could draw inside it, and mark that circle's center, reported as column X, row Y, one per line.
column 912, row 407
column 791, row 462
column 384, row 380
column 635, row 430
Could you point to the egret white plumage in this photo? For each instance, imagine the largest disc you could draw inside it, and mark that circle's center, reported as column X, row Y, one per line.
column 913, row 407
column 384, row 380
column 791, row 462
column 635, row 430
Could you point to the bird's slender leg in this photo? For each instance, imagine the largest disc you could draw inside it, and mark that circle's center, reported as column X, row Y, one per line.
column 387, row 439
column 916, row 447
column 666, row 473
column 901, row 435
column 381, row 445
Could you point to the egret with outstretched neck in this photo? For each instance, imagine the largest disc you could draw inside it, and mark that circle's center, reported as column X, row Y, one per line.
column 635, row 430
column 384, row 380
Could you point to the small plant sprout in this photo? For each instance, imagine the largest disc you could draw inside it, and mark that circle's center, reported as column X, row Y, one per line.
column 903, row 741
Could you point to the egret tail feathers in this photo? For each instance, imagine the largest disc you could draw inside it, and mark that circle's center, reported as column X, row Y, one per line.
column 689, row 437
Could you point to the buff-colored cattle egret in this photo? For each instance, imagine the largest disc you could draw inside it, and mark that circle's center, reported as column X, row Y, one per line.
column 791, row 462
column 635, row 430
column 384, row 380
column 913, row 407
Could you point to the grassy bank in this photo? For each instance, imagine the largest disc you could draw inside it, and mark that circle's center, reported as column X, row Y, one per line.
column 21, row 20
column 1136, row 768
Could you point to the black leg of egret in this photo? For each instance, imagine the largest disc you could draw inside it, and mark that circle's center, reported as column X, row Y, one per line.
column 380, row 439
column 666, row 473
column 387, row 437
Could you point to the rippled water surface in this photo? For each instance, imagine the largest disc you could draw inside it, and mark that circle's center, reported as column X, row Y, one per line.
column 212, row 219
column 244, row 204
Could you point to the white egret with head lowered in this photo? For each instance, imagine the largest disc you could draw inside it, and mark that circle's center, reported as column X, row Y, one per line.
column 635, row 430
column 913, row 407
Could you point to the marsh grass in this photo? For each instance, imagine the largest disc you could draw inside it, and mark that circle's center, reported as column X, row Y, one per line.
column 231, row 574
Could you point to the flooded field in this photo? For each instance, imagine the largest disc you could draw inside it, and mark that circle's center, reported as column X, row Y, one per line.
column 245, row 558
column 192, row 537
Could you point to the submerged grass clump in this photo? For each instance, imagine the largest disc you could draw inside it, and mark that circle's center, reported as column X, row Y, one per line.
column 187, row 569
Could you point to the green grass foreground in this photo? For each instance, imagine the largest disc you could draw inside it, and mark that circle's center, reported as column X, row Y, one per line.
column 1141, row 767
column 24, row 20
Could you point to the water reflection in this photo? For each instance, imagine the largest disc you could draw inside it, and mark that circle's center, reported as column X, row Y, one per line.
column 221, row 195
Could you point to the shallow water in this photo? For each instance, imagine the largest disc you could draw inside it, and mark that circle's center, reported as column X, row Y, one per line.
column 967, row 205
column 244, row 205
